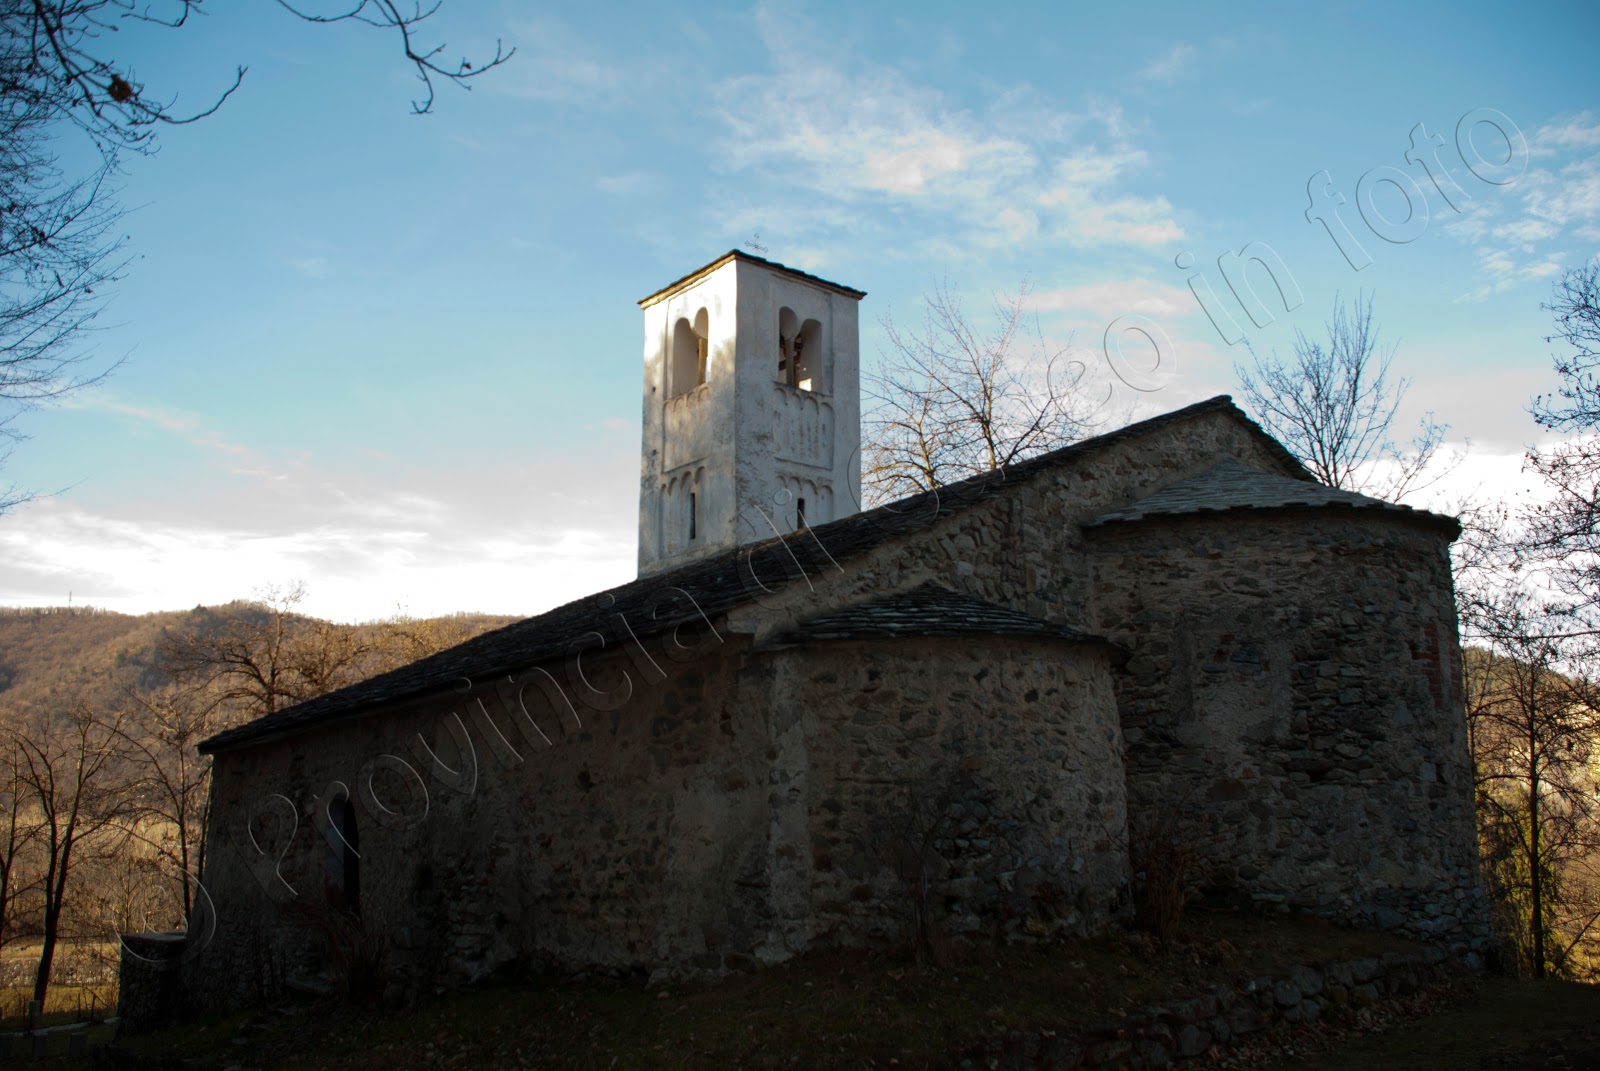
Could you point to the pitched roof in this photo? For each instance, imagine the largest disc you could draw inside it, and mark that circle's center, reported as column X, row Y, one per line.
column 652, row 604
column 750, row 258
column 1233, row 485
column 926, row 610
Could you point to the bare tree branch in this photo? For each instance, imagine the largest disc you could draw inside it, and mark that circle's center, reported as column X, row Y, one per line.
column 1334, row 403
column 59, row 248
column 950, row 402
column 1564, row 533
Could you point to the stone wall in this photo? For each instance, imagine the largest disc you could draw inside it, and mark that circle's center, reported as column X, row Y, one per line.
column 496, row 826
column 1293, row 693
column 978, row 779
column 721, row 811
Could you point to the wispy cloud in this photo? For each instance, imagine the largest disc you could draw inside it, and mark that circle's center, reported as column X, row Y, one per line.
column 235, row 457
column 1106, row 301
column 1580, row 131
column 557, row 65
column 1546, row 219
column 867, row 137
column 1174, row 64
column 310, row 267
column 631, row 182
column 508, row 541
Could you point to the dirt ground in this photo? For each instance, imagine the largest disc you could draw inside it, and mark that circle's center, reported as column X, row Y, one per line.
column 1476, row 1024
column 866, row 1011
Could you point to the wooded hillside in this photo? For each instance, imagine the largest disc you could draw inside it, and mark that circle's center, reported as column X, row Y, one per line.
column 104, row 799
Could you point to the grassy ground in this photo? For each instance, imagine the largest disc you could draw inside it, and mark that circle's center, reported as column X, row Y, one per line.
column 858, row 1011
column 64, row 1003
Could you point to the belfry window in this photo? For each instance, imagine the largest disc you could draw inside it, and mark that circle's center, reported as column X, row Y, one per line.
column 799, row 352
column 691, row 354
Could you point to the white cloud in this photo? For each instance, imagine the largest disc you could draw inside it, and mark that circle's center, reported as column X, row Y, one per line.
column 868, row 138
column 1526, row 230
column 1581, row 131
column 365, row 531
column 1484, row 476
column 1106, row 301
column 359, row 561
column 1171, row 66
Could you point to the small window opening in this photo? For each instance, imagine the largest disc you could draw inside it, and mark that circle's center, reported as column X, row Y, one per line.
column 702, row 347
column 799, row 352
column 799, row 513
column 342, row 872
column 808, row 372
column 694, row 515
column 691, row 354
column 788, row 338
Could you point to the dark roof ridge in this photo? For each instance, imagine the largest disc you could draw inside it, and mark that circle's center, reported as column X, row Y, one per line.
column 693, row 591
column 1232, row 485
column 739, row 254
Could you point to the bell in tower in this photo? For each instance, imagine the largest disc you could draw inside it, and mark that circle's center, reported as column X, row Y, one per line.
column 752, row 409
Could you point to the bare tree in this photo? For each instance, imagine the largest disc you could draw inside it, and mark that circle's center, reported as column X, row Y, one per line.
column 21, row 827
column 403, row 639
column 70, row 770
column 1564, row 534
column 257, row 657
column 1530, row 682
column 59, row 249
column 951, row 401
column 1333, row 405
column 1535, row 740
column 170, row 792
column 72, row 60
column 57, row 253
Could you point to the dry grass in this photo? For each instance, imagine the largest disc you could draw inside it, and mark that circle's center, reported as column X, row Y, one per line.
column 65, row 1004
column 83, row 986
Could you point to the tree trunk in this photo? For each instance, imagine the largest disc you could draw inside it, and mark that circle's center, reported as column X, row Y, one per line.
column 1536, row 877
column 54, row 895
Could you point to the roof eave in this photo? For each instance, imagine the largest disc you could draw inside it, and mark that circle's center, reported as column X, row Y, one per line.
column 737, row 254
column 1427, row 518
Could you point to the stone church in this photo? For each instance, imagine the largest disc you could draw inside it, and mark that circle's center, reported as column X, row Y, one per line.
column 802, row 722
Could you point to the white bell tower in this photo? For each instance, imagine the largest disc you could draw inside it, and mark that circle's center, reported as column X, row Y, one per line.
column 752, row 409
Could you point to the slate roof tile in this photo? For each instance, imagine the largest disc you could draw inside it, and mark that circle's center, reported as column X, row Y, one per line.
column 927, row 610
column 1233, row 485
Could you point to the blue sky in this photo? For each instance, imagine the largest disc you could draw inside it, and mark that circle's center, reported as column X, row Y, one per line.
column 398, row 358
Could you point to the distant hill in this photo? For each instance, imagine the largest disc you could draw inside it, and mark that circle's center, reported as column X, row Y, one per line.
column 89, row 653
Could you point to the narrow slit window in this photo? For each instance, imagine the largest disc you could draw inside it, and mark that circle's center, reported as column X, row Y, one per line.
column 694, row 506
column 343, row 865
column 799, row 513
column 788, row 339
